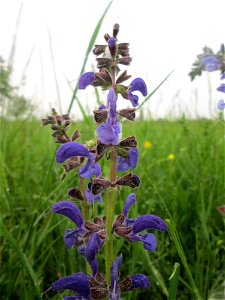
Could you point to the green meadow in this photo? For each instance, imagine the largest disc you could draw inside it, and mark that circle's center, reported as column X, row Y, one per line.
column 185, row 191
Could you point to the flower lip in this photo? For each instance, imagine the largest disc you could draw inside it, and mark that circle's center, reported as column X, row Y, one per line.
column 69, row 210
column 148, row 222
column 85, row 80
column 140, row 281
column 78, row 283
column 71, row 149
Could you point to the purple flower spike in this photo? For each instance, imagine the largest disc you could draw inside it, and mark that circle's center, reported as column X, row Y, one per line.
column 211, row 63
column 114, row 270
column 221, row 105
column 148, row 222
column 78, row 283
column 127, row 163
column 69, row 210
column 131, row 200
column 221, row 88
column 139, row 85
column 85, row 80
column 139, row 281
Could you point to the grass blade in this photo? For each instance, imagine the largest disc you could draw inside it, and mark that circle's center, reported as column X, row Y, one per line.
column 153, row 92
column 155, row 272
column 174, row 282
column 25, row 262
column 89, row 48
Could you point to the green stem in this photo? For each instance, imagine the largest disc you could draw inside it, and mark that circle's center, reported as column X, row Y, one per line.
column 85, row 214
column 84, row 202
column 109, row 216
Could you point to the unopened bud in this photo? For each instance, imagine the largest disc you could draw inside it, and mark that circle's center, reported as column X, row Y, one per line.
column 116, row 29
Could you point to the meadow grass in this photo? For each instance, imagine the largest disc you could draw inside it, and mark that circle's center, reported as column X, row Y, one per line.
column 184, row 191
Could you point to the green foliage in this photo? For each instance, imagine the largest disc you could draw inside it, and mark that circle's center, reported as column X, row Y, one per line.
column 188, row 188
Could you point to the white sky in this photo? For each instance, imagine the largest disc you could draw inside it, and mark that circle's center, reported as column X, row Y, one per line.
column 163, row 35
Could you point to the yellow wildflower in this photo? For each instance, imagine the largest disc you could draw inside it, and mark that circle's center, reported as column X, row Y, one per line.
column 171, row 156
column 147, row 145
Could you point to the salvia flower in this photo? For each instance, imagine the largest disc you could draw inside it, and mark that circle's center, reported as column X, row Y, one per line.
column 130, row 229
column 68, row 209
column 129, row 162
column 137, row 85
column 74, row 149
column 94, row 287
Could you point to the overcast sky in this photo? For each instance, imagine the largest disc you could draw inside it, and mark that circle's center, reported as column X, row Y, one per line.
column 163, row 35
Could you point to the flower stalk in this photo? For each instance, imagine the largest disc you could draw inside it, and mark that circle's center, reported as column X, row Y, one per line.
column 92, row 236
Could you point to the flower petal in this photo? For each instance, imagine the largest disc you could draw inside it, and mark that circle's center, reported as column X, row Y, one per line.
column 131, row 200
column 222, row 76
column 221, row 105
column 107, row 135
column 149, row 241
column 114, row 270
column 111, row 42
column 148, row 222
column 91, row 198
column 71, row 149
column 140, row 281
column 126, row 163
column 138, row 84
column 85, row 80
column 221, row 88
column 211, row 63
column 93, row 247
column 94, row 170
column 78, row 283
column 69, row 210
column 70, row 238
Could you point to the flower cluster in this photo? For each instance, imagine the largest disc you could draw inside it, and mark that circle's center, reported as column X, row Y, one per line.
column 90, row 236
column 210, row 62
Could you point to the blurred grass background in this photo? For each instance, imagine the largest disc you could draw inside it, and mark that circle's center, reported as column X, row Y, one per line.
column 181, row 166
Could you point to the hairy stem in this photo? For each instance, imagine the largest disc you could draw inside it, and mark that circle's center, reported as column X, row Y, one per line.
column 84, row 202
column 109, row 216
